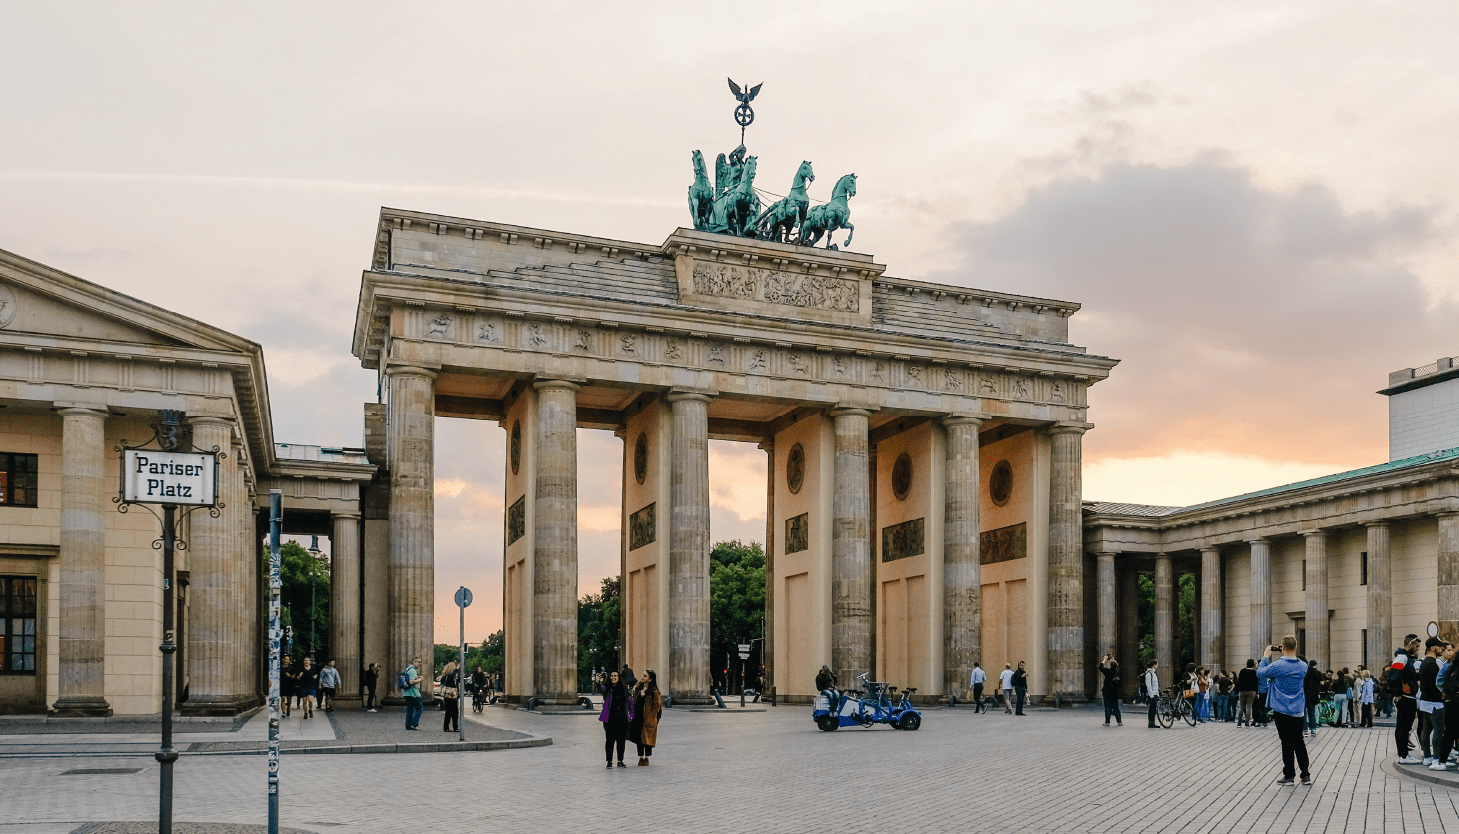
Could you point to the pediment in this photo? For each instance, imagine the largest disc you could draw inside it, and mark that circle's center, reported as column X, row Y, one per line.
column 40, row 301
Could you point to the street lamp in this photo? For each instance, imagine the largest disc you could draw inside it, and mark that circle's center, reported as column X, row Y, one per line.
column 313, row 551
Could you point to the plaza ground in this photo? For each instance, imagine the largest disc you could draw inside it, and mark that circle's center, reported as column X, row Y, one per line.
column 773, row 771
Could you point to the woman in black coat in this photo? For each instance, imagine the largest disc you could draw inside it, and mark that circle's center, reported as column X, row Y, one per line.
column 1109, row 669
column 617, row 714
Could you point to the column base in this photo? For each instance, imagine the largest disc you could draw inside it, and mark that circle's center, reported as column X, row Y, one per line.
column 217, row 706
column 1077, row 699
column 80, row 707
column 694, row 699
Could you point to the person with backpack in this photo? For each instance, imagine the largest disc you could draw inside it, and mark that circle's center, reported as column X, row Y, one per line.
column 408, row 682
column 1447, row 725
column 1287, row 676
column 1109, row 669
column 1402, row 681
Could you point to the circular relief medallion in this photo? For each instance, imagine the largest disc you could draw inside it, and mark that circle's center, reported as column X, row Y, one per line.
column 795, row 468
column 516, row 445
column 1000, row 484
column 7, row 306
column 640, row 457
column 902, row 476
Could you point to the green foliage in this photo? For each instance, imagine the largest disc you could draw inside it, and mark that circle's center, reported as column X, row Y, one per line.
column 600, row 620
column 736, row 608
column 304, row 598
column 445, row 654
column 491, row 655
column 1183, row 642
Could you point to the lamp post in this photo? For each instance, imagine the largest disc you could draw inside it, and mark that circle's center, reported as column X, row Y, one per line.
column 314, row 552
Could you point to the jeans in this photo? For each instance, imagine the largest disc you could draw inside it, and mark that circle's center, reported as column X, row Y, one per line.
column 1407, row 711
column 412, row 710
column 978, row 698
column 1243, row 712
column 1260, row 711
column 1008, row 700
column 1289, row 728
column 1152, row 703
column 1342, row 708
column 1112, row 707
column 1367, row 720
column 1426, row 733
column 1436, row 740
column 1022, row 692
column 1312, row 719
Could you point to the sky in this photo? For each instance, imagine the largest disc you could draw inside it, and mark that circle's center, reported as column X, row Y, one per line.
column 1253, row 202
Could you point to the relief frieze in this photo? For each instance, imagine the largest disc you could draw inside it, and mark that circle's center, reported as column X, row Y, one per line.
column 822, row 292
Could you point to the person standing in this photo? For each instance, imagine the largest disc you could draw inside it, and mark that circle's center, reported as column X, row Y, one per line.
column 979, row 676
column 1312, row 691
column 648, row 707
column 1369, row 691
column 1020, row 687
column 1005, row 680
column 626, row 674
column 1152, row 690
column 1402, row 681
column 1340, row 686
column 1109, row 669
column 1429, row 696
column 328, row 686
column 411, row 694
column 616, row 715
column 1286, row 695
column 1245, row 693
column 451, row 698
column 1261, row 689
column 369, row 679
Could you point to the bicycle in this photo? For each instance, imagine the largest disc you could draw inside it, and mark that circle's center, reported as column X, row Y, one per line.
column 1327, row 711
column 1171, row 705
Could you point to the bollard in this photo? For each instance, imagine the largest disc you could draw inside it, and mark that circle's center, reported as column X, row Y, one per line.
column 717, row 699
column 773, row 701
column 742, row 698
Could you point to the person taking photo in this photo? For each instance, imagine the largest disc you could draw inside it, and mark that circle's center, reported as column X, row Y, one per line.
column 1286, row 698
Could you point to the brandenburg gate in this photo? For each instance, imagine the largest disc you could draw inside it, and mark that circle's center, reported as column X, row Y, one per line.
column 924, row 448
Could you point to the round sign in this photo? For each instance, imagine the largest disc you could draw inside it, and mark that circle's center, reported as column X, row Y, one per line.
column 1000, row 483
column 516, row 451
column 640, row 458
column 463, row 597
column 902, row 476
column 1433, row 629
column 795, row 468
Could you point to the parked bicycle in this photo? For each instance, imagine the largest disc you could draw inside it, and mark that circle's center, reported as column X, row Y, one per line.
column 1172, row 705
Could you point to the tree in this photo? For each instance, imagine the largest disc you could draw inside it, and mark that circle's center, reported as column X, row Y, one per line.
column 600, row 616
column 491, row 655
column 445, row 654
column 305, row 598
column 736, row 609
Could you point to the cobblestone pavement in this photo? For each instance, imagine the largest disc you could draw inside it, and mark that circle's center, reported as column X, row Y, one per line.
column 773, row 771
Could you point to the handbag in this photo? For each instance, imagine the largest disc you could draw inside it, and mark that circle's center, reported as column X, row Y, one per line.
column 449, row 693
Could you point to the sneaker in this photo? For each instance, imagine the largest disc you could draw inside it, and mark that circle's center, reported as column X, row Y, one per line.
column 1428, row 760
column 621, row 764
column 1408, row 760
column 1307, row 780
column 610, row 765
column 1438, row 766
column 1286, row 780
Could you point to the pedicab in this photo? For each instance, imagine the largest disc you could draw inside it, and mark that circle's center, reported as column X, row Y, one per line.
column 863, row 707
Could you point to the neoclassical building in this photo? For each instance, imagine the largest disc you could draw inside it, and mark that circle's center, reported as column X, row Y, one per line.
column 1348, row 563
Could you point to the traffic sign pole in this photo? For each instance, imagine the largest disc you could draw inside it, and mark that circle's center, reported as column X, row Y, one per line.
column 463, row 599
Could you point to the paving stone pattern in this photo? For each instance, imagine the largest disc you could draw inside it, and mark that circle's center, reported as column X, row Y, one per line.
column 774, row 772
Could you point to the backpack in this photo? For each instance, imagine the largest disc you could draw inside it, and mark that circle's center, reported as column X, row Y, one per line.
column 402, row 681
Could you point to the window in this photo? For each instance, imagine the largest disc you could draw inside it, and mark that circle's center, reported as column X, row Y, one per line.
column 1365, row 631
column 1304, row 574
column 17, row 624
column 1363, row 569
column 17, row 479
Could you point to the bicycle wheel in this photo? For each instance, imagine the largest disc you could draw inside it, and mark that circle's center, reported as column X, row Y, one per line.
column 1163, row 715
column 1187, row 712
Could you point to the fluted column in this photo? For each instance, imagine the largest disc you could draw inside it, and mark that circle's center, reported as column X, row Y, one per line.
column 411, row 415
column 851, row 625
column 689, row 548
column 82, row 683
column 555, row 543
column 767, row 646
column 1449, row 576
column 1129, row 628
column 1066, row 564
column 344, row 603
column 1261, row 596
column 1211, row 608
column 1164, row 603
column 962, row 584
column 1380, row 605
column 1318, row 642
column 1107, row 594
column 215, row 609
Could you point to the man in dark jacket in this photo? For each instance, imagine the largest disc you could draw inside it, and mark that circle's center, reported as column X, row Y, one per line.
column 1246, row 684
column 1402, row 679
column 1312, row 689
column 1429, row 697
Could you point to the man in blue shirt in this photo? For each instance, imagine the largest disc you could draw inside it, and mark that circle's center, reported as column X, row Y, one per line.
column 1284, row 675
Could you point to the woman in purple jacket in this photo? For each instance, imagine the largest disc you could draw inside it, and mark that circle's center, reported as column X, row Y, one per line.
column 617, row 713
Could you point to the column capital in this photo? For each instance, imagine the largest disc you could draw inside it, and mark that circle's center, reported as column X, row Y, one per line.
column 80, row 410
column 1215, row 550
column 1069, row 428
column 1377, row 525
column 1110, row 553
column 1258, row 540
column 1307, row 534
column 412, row 370
column 346, row 515
column 963, row 420
column 851, row 411
column 209, row 420
column 1446, row 515
column 681, row 395
column 556, row 384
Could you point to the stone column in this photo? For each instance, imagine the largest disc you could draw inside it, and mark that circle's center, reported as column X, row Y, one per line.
column 851, row 615
column 1066, row 565
column 215, row 610
column 1318, row 642
column 1211, row 609
column 411, row 417
column 1380, row 605
column 82, row 684
column 1129, row 628
column 1448, row 576
column 555, row 544
column 689, row 678
column 767, row 646
column 962, row 571
column 1164, row 603
column 344, row 604
column 1108, row 604
column 1261, row 596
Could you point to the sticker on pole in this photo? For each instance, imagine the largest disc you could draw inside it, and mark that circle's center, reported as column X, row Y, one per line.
column 463, row 597
column 150, row 477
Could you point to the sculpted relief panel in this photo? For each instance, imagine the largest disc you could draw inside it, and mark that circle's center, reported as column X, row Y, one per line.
column 822, row 292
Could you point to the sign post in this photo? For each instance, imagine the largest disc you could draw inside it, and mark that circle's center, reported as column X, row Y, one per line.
column 157, row 473
column 463, row 599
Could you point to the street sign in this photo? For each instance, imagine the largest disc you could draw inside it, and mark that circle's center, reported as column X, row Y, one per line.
column 744, row 651
column 150, row 477
column 744, row 647
column 744, row 655
column 463, row 597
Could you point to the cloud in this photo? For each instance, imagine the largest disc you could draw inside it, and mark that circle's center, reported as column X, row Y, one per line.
column 1166, row 479
column 1249, row 321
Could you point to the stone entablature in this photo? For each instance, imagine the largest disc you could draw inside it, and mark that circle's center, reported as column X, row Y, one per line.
column 1392, row 493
